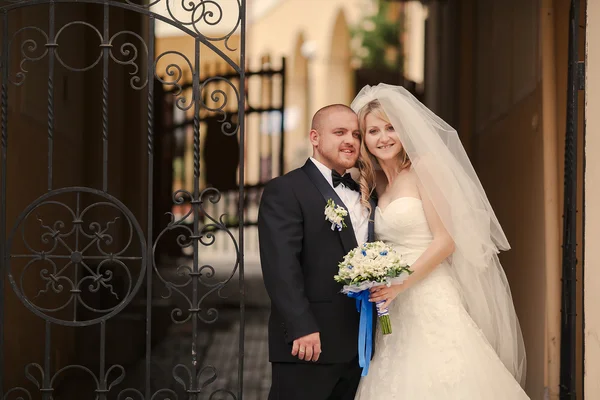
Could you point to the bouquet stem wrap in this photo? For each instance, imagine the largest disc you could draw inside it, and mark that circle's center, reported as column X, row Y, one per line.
column 384, row 319
column 365, row 330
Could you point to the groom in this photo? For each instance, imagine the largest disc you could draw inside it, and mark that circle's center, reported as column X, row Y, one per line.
column 313, row 328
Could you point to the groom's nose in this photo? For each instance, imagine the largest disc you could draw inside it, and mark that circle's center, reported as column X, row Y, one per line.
column 348, row 139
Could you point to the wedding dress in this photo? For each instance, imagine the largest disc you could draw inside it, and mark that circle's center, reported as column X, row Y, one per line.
column 435, row 350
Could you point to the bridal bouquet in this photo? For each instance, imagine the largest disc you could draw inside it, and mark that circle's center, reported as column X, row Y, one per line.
column 369, row 265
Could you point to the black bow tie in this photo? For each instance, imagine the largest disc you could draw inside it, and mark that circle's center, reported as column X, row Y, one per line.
column 346, row 180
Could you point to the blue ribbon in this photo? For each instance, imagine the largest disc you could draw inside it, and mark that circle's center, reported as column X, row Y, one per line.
column 365, row 330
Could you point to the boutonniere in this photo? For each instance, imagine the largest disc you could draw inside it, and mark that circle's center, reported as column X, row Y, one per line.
column 335, row 214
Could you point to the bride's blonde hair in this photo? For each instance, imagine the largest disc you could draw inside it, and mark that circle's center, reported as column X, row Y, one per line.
column 366, row 160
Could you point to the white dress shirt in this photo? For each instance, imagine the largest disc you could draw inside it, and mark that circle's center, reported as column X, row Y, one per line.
column 359, row 215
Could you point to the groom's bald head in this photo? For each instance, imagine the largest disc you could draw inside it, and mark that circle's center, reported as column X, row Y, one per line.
column 326, row 112
column 335, row 137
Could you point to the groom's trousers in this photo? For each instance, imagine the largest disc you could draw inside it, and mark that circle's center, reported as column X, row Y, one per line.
column 304, row 381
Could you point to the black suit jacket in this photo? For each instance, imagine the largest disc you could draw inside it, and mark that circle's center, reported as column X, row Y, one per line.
column 299, row 257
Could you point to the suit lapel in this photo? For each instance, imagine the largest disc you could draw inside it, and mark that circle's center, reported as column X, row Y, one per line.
column 317, row 178
column 371, row 234
column 371, row 238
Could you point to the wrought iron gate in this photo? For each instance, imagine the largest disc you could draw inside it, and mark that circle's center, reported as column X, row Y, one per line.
column 175, row 146
column 78, row 247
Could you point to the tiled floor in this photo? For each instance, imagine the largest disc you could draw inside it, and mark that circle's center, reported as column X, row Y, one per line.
column 217, row 347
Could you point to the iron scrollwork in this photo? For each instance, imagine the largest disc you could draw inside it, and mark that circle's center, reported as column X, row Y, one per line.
column 28, row 50
column 66, row 251
column 35, row 373
column 205, row 238
column 127, row 54
column 174, row 78
column 79, row 252
column 198, row 14
column 219, row 96
column 190, row 16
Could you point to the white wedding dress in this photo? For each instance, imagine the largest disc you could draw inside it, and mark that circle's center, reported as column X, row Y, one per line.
column 435, row 350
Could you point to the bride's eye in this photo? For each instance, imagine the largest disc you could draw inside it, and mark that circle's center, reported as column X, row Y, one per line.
column 390, row 128
column 373, row 131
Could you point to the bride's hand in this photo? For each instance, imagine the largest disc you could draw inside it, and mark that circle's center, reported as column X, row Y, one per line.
column 386, row 294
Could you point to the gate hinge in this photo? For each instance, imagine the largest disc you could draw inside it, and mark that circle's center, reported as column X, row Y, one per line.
column 581, row 75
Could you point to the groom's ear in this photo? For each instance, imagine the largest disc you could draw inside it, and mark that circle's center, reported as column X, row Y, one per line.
column 314, row 137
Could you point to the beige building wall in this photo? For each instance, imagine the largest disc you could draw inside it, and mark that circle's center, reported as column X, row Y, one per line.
column 592, row 210
column 314, row 36
column 511, row 115
column 500, row 118
column 414, row 46
column 323, row 27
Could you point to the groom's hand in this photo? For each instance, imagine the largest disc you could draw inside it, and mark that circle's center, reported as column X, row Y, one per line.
column 307, row 348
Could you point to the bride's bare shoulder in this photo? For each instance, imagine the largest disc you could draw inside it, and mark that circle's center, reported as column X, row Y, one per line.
column 412, row 174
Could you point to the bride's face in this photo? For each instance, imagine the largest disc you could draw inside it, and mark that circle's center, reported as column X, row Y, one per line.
column 381, row 138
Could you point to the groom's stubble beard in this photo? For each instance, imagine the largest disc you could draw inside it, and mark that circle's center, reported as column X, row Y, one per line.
column 330, row 144
column 336, row 159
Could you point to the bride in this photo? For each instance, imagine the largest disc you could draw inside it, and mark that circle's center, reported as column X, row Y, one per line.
column 455, row 331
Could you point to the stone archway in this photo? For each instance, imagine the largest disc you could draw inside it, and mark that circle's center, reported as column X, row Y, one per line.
column 340, row 78
column 298, row 106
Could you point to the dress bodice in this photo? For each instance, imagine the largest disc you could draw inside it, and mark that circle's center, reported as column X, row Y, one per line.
column 436, row 350
column 403, row 225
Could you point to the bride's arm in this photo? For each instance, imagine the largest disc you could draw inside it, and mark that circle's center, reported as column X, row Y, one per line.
column 440, row 248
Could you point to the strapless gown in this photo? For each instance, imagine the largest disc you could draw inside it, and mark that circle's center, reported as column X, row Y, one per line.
column 435, row 351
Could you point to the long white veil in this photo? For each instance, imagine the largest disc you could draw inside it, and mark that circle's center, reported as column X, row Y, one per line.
column 443, row 167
